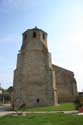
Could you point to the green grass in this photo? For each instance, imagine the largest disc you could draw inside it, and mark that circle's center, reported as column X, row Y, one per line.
column 60, row 107
column 42, row 119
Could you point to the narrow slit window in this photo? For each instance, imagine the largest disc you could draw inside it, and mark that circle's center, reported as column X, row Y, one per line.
column 34, row 34
column 25, row 36
column 43, row 36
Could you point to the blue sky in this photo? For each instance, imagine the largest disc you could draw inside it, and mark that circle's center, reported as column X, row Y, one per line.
column 61, row 19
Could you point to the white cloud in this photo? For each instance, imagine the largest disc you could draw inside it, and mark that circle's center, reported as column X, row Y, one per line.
column 68, row 45
column 20, row 5
column 9, row 38
column 7, row 5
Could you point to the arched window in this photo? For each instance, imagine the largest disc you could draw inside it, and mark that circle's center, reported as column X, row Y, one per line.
column 34, row 34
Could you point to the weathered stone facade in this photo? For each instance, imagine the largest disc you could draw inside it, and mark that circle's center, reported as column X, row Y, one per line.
column 36, row 81
column 65, row 84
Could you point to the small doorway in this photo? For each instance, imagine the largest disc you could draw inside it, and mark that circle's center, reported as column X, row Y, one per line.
column 37, row 100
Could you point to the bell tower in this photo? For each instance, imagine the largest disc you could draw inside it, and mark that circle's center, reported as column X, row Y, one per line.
column 35, row 36
column 33, row 82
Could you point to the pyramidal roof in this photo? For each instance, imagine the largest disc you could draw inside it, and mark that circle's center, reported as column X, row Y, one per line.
column 35, row 28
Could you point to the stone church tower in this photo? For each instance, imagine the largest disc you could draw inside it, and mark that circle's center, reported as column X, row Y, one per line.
column 34, row 79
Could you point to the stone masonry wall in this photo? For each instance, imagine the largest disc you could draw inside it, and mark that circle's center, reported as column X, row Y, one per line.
column 33, row 81
column 65, row 84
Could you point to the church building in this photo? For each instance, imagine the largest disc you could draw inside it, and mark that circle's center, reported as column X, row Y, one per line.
column 37, row 82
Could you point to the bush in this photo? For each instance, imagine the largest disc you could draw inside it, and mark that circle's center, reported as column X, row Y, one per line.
column 77, row 103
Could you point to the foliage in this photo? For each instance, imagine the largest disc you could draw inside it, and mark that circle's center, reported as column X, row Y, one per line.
column 77, row 103
column 10, row 89
column 6, row 96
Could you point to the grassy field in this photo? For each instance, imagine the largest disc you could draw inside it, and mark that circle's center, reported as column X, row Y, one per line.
column 60, row 107
column 45, row 119
column 42, row 119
